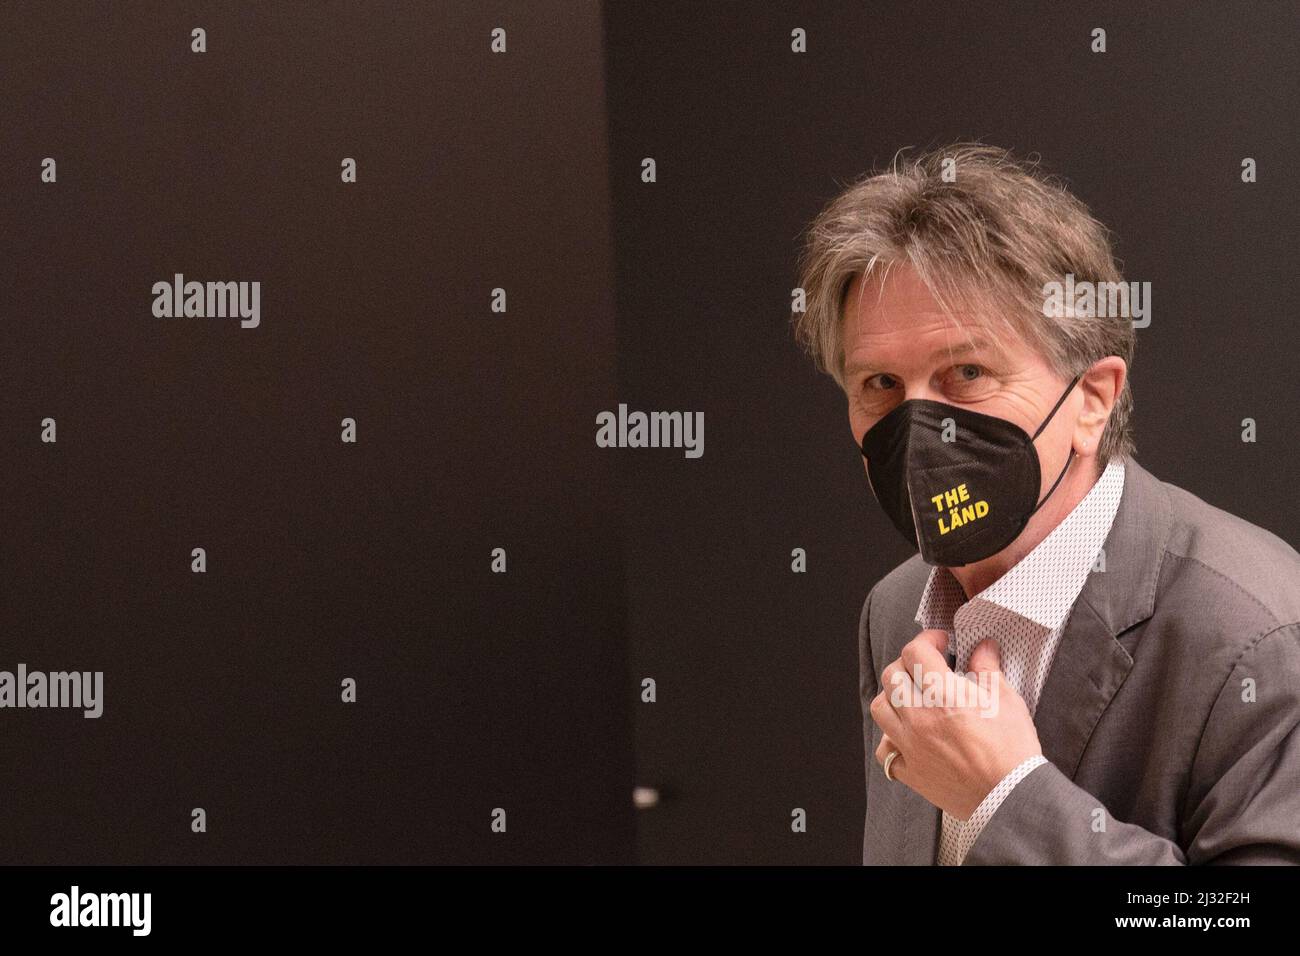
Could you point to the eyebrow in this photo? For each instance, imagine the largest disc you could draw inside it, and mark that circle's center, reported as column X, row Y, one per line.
column 949, row 352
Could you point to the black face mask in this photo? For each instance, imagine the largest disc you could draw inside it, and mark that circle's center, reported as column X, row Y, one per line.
column 958, row 501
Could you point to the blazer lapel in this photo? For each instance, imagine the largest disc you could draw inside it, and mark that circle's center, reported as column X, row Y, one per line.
column 1089, row 668
column 1090, row 664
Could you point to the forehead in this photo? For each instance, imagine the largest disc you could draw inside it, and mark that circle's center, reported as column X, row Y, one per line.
column 895, row 316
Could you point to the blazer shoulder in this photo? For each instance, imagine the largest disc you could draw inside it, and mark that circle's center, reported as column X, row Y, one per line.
column 1243, row 565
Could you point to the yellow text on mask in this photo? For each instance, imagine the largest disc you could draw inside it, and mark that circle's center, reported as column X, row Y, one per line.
column 959, row 512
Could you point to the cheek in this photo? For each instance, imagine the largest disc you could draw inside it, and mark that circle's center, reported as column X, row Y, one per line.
column 860, row 420
column 1053, row 446
column 857, row 424
column 860, row 425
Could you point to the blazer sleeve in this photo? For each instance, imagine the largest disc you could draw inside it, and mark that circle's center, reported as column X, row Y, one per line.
column 1242, row 805
column 866, row 692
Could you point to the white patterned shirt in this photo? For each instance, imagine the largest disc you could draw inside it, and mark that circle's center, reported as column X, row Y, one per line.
column 1026, row 611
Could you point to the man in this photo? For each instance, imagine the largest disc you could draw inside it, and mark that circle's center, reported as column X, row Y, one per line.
column 1134, row 652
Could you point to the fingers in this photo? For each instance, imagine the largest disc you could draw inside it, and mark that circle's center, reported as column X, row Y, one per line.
column 986, row 657
column 895, row 675
column 887, row 747
column 886, row 718
column 920, row 656
column 933, row 637
column 926, row 651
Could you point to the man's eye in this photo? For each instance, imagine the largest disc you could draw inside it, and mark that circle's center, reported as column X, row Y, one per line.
column 881, row 382
column 967, row 377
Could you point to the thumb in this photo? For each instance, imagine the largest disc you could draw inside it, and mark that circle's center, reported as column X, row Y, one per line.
column 986, row 657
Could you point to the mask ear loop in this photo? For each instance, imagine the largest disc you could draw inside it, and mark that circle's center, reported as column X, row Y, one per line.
column 1064, row 395
column 1068, row 458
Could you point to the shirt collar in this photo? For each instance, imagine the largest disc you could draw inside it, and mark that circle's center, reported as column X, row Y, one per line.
column 1043, row 585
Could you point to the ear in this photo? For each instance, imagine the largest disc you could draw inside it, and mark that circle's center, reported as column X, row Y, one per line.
column 1101, row 386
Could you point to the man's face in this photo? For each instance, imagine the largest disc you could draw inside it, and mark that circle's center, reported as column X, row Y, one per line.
column 898, row 344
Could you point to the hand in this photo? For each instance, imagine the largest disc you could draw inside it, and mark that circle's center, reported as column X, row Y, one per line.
column 957, row 735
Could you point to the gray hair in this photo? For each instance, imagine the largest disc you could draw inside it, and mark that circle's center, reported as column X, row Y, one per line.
column 986, row 241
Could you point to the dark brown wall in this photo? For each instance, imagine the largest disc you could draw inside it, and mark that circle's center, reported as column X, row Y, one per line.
column 476, row 429
column 326, row 560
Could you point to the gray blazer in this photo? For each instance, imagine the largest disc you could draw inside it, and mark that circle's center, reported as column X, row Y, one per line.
column 1157, row 751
